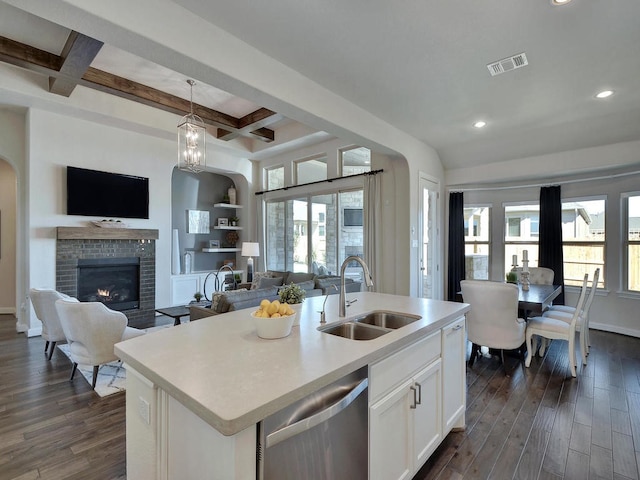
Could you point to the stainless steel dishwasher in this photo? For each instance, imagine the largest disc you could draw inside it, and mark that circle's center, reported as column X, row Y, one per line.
column 322, row 436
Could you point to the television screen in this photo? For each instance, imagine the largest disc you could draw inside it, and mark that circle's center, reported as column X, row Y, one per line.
column 352, row 217
column 105, row 194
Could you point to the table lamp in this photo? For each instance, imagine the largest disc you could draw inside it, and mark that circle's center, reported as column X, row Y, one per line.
column 250, row 249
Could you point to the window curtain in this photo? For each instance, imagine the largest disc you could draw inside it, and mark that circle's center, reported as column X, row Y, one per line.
column 372, row 225
column 550, row 241
column 455, row 271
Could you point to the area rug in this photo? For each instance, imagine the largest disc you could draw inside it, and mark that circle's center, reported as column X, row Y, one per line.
column 112, row 377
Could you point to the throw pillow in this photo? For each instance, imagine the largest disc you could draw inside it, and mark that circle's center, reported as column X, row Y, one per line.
column 215, row 301
column 299, row 277
column 256, row 278
column 266, row 282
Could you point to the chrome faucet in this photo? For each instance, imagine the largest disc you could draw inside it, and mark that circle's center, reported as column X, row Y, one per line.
column 343, row 294
column 323, row 318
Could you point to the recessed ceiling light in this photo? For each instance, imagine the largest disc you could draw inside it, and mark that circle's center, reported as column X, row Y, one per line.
column 479, row 124
column 559, row 2
column 604, row 94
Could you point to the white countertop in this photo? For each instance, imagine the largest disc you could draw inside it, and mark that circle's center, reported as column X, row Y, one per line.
column 221, row 370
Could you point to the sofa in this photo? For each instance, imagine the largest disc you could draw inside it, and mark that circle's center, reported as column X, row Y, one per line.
column 266, row 285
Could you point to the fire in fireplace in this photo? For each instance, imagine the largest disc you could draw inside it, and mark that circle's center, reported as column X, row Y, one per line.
column 112, row 281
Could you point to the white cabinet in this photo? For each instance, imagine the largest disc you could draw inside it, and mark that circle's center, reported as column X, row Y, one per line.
column 405, row 413
column 454, row 375
column 184, row 286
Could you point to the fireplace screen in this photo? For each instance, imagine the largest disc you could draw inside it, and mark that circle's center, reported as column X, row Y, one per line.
column 112, row 281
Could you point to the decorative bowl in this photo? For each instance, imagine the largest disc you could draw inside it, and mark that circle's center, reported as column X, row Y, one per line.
column 271, row 328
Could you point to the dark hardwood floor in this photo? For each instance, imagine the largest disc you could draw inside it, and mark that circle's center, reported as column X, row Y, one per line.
column 537, row 423
column 540, row 423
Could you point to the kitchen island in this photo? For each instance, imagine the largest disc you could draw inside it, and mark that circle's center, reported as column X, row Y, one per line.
column 196, row 392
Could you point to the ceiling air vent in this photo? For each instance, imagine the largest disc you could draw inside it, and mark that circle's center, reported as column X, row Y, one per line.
column 507, row 64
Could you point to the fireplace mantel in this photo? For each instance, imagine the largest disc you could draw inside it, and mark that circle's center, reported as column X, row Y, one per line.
column 98, row 233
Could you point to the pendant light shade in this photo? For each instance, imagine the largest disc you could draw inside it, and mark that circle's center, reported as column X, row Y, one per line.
column 192, row 141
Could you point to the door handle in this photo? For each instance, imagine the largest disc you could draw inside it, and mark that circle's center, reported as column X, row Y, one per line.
column 322, row 416
column 415, row 397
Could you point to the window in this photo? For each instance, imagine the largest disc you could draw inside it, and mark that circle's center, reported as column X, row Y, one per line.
column 477, row 223
column 632, row 204
column 275, row 178
column 306, row 234
column 312, row 170
column 355, row 160
column 583, row 239
column 521, row 233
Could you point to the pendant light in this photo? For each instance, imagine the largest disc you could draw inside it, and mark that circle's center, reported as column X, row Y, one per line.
column 192, row 140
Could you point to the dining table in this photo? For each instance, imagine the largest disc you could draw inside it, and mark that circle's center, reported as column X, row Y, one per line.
column 537, row 298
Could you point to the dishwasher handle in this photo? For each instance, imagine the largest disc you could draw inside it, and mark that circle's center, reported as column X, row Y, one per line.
column 317, row 418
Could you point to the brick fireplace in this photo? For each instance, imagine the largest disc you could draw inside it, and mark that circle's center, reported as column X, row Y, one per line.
column 78, row 247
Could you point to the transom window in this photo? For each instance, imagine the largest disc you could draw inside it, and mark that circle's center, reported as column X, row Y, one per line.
column 311, row 170
column 275, row 178
column 355, row 160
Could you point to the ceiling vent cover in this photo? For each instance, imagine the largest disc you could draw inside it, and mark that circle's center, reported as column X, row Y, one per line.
column 508, row 64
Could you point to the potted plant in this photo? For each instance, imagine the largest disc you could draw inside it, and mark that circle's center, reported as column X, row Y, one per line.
column 197, row 296
column 512, row 277
column 234, row 221
column 293, row 295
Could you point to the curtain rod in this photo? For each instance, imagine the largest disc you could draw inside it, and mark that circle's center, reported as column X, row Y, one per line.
column 453, row 188
column 328, row 180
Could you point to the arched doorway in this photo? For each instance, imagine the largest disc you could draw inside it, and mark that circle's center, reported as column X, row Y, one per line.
column 8, row 226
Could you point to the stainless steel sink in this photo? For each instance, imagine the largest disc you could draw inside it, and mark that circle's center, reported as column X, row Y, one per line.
column 386, row 319
column 355, row 331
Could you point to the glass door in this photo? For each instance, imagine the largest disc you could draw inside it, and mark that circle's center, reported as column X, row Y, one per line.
column 429, row 285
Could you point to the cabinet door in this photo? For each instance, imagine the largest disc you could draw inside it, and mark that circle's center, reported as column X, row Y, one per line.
column 427, row 416
column 453, row 374
column 390, row 435
column 183, row 287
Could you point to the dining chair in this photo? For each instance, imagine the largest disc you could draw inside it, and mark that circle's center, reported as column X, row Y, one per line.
column 92, row 329
column 554, row 329
column 44, row 305
column 493, row 319
column 537, row 275
column 565, row 312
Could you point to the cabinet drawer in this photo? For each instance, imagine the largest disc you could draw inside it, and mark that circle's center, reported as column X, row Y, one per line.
column 391, row 371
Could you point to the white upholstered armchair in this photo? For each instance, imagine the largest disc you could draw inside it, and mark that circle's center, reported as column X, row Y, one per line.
column 493, row 319
column 92, row 329
column 44, row 304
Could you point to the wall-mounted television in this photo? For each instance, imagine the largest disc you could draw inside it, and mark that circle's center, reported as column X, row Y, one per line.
column 352, row 217
column 106, row 194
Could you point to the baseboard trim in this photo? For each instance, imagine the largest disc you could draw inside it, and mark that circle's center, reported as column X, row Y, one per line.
column 615, row 329
column 34, row 332
column 7, row 310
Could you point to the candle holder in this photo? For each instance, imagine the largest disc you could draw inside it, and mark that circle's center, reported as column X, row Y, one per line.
column 524, row 275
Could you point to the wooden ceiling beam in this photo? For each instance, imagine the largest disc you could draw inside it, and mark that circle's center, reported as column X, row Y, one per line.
column 77, row 55
column 253, row 124
column 40, row 61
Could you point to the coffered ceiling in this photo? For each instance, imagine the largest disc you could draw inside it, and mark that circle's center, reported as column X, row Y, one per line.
column 420, row 66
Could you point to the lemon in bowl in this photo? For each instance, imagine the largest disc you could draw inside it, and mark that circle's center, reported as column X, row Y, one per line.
column 273, row 319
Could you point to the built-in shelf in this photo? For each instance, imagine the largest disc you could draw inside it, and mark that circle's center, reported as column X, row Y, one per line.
column 226, row 205
column 220, row 250
column 226, row 227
